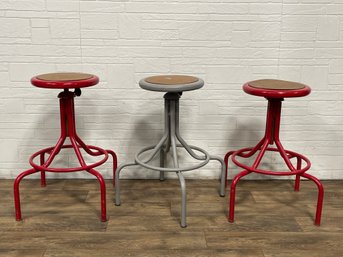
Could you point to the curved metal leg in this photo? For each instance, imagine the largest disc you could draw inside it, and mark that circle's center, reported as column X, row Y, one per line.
column 117, row 181
column 222, row 176
column 55, row 151
column 17, row 193
column 102, row 191
column 77, row 151
column 175, row 123
column 85, row 147
column 233, row 194
column 157, row 147
column 42, row 173
column 115, row 164
column 226, row 161
column 320, row 197
column 188, row 148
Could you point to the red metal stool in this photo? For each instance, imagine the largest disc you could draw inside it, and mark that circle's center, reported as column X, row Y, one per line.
column 274, row 91
column 66, row 81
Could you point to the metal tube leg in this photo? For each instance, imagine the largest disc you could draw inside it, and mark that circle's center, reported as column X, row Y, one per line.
column 297, row 183
column 297, row 177
column 102, row 192
column 233, row 194
column 42, row 173
column 182, row 184
column 183, row 199
column 226, row 161
column 222, row 174
column 115, row 163
column 162, row 158
column 320, row 197
column 117, row 182
column 17, row 193
column 173, row 125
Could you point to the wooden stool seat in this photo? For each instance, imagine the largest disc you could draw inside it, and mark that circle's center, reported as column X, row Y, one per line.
column 273, row 88
column 171, row 83
column 64, row 80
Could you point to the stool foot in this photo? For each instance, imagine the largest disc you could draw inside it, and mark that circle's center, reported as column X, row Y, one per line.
column 183, row 199
column 297, row 177
column 226, row 162
column 233, row 194
column 17, row 192
column 117, row 182
column 42, row 179
column 42, row 174
column 297, row 183
column 162, row 158
column 319, row 199
column 115, row 163
column 222, row 175
column 102, row 193
column 162, row 176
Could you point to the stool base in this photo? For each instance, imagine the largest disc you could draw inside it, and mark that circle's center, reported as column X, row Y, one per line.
column 169, row 143
column 68, row 129
column 272, row 136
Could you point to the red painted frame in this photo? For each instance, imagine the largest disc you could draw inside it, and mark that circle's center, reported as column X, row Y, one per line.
column 68, row 129
column 271, row 136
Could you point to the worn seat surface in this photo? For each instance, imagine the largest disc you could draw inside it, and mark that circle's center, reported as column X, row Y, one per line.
column 65, row 80
column 171, row 83
column 273, row 88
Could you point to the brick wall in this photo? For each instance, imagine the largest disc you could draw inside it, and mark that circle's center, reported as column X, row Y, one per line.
column 224, row 42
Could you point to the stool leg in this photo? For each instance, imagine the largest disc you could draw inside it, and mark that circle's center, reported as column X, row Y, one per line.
column 297, row 177
column 233, row 194
column 84, row 146
column 117, row 181
column 102, row 192
column 55, row 151
column 174, row 117
column 183, row 199
column 320, row 197
column 115, row 164
column 173, row 129
column 162, row 158
column 226, row 161
column 222, row 176
column 42, row 173
column 164, row 151
column 182, row 185
column 17, row 193
column 93, row 172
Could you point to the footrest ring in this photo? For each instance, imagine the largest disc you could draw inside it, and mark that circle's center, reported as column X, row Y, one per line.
column 142, row 163
column 87, row 167
column 269, row 172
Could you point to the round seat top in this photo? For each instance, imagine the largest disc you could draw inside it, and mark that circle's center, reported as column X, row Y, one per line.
column 171, row 83
column 64, row 80
column 274, row 88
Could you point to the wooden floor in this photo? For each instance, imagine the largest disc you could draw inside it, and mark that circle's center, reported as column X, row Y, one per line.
column 271, row 220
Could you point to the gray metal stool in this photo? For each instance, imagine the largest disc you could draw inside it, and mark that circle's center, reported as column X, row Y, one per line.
column 174, row 85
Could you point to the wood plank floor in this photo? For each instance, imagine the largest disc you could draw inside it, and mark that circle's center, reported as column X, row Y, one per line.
column 271, row 220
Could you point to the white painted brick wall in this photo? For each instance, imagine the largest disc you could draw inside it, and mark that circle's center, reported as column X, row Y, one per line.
column 224, row 42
